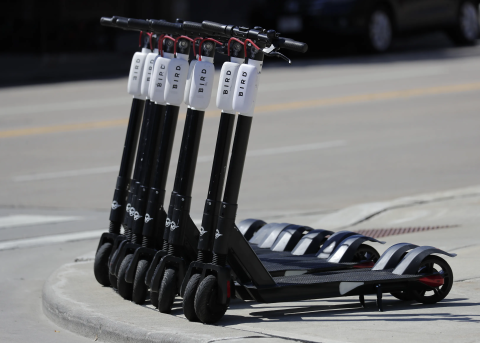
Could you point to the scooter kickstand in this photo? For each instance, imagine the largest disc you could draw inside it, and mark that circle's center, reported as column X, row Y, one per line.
column 379, row 298
column 361, row 297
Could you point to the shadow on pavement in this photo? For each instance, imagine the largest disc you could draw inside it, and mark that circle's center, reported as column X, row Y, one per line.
column 346, row 312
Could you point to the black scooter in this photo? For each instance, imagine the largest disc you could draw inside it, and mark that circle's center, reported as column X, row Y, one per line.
column 417, row 272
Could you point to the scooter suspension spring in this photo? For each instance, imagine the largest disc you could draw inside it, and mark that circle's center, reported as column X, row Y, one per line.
column 165, row 245
column 146, row 242
column 171, row 250
column 219, row 260
column 128, row 233
column 135, row 239
column 114, row 228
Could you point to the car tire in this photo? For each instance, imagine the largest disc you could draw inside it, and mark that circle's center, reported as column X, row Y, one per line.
column 466, row 30
column 379, row 30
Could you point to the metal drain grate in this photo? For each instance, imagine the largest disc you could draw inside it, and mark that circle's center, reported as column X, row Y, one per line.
column 379, row 233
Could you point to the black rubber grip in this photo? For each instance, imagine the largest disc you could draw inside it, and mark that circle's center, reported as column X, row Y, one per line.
column 162, row 26
column 211, row 26
column 290, row 44
column 192, row 26
column 122, row 23
column 110, row 22
column 139, row 24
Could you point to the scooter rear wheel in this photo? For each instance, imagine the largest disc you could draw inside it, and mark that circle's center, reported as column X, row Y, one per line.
column 207, row 307
column 125, row 289
column 168, row 290
column 434, row 264
column 140, row 289
column 100, row 266
column 189, row 298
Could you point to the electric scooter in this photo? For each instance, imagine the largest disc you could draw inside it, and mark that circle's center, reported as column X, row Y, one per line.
column 417, row 273
column 170, row 270
column 118, row 207
column 170, row 73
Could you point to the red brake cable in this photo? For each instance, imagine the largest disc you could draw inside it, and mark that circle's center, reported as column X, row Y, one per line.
column 140, row 39
column 194, row 41
column 236, row 40
column 160, row 43
column 249, row 41
column 201, row 43
column 184, row 37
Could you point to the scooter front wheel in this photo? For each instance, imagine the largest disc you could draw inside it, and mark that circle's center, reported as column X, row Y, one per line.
column 125, row 289
column 140, row 289
column 189, row 298
column 207, row 307
column 100, row 266
column 168, row 290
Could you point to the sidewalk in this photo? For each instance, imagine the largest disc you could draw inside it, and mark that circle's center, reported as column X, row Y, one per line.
column 73, row 299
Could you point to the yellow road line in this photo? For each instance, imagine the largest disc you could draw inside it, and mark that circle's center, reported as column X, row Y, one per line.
column 409, row 93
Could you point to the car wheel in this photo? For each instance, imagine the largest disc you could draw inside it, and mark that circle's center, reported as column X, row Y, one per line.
column 379, row 34
column 466, row 29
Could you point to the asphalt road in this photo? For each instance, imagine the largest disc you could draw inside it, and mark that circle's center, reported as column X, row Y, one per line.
column 326, row 134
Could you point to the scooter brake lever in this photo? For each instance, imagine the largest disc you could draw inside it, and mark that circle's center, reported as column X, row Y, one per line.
column 279, row 55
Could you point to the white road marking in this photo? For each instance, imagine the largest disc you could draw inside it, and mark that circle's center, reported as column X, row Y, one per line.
column 201, row 159
column 47, row 240
column 27, row 219
column 65, row 106
column 339, row 80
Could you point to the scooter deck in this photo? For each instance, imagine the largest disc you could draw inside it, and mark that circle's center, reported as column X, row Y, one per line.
column 328, row 285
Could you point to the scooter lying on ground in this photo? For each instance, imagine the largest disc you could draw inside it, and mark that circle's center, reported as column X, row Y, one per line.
column 414, row 273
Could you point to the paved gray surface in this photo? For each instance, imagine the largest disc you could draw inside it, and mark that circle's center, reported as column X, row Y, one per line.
column 73, row 299
column 343, row 132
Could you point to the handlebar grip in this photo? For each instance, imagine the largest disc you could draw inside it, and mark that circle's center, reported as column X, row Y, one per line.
column 162, row 26
column 214, row 27
column 139, row 24
column 109, row 22
column 290, row 44
column 193, row 27
column 122, row 23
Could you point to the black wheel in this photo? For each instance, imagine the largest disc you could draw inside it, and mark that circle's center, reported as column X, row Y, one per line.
column 379, row 34
column 434, row 265
column 154, row 292
column 207, row 308
column 366, row 253
column 466, row 28
column 113, row 278
column 168, row 290
column 189, row 298
column 100, row 266
column 140, row 289
column 403, row 295
column 113, row 281
column 125, row 289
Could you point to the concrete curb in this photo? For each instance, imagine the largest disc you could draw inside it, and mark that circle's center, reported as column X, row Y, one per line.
column 75, row 301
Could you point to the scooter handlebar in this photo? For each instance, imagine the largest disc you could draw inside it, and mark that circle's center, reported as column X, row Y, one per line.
column 161, row 26
column 193, row 27
column 122, row 23
column 214, row 27
column 110, row 22
column 138, row 24
column 279, row 42
column 290, row 44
